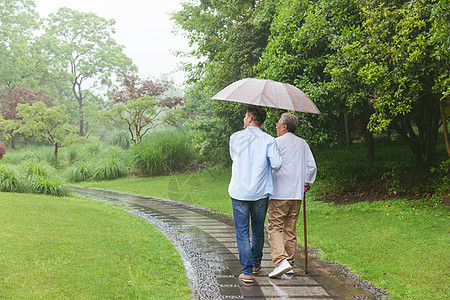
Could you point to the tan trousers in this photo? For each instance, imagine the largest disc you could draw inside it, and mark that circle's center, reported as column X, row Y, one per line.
column 281, row 226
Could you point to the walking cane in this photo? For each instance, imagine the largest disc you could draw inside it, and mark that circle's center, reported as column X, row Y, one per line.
column 304, row 226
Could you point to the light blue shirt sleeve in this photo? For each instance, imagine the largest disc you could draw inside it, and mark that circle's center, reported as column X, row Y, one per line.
column 274, row 155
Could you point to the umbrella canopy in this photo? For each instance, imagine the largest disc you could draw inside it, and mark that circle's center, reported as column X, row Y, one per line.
column 269, row 93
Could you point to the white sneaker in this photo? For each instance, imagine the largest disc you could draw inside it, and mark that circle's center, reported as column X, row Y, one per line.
column 284, row 267
column 291, row 271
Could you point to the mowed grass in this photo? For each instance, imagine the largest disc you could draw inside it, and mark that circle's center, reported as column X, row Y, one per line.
column 399, row 246
column 205, row 189
column 75, row 248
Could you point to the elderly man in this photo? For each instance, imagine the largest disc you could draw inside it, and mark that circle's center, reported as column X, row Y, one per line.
column 254, row 154
column 290, row 183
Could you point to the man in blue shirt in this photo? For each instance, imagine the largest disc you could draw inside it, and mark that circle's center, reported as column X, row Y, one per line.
column 254, row 154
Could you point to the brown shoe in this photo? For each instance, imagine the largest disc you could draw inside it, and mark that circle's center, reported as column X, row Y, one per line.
column 256, row 270
column 246, row 278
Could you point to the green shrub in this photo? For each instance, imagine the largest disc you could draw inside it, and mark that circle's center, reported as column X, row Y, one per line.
column 110, row 168
column 49, row 186
column 81, row 171
column 164, row 152
column 33, row 167
column 11, row 180
column 43, row 153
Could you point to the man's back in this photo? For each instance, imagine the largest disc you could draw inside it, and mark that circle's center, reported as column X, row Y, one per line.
column 253, row 153
column 298, row 167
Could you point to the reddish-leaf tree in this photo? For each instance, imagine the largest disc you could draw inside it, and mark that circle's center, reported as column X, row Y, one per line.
column 140, row 105
column 9, row 98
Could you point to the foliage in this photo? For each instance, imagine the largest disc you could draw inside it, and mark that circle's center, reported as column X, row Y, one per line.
column 441, row 184
column 392, row 178
column 138, row 109
column 49, row 123
column 120, row 138
column 211, row 137
column 32, row 176
column 229, row 38
column 98, row 161
column 394, row 56
column 163, row 152
column 139, row 116
column 110, row 168
column 9, row 99
column 35, row 168
column 80, row 171
column 84, row 42
column 21, row 62
column 11, row 180
column 50, row 186
column 300, row 45
column 43, row 153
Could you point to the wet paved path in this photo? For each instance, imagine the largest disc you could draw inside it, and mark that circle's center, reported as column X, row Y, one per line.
column 206, row 242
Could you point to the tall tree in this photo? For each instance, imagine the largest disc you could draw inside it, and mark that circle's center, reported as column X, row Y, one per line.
column 299, row 47
column 20, row 60
column 82, row 45
column 398, row 56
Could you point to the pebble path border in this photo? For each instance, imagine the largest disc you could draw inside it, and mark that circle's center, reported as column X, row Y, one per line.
column 207, row 245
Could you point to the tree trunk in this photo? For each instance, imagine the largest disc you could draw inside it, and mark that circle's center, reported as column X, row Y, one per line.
column 444, row 125
column 422, row 142
column 368, row 133
column 348, row 138
column 80, row 110
column 56, row 153
column 76, row 89
column 13, row 142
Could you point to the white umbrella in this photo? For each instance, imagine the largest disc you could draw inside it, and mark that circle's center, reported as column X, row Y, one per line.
column 268, row 93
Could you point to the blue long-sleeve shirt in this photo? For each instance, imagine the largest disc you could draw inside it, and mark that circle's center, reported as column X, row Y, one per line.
column 254, row 154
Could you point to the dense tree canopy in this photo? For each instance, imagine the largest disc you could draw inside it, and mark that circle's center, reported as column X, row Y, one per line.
column 20, row 60
column 373, row 65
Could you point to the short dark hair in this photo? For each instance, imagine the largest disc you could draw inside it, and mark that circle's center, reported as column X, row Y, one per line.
column 258, row 113
column 290, row 120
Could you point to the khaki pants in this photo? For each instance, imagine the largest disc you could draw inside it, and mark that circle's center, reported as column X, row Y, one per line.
column 281, row 226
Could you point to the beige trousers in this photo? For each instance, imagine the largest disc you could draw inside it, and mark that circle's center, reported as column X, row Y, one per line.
column 281, row 226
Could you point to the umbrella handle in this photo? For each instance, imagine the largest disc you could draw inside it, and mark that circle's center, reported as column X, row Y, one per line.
column 304, row 228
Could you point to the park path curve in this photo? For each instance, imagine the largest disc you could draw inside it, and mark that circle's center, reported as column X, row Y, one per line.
column 206, row 242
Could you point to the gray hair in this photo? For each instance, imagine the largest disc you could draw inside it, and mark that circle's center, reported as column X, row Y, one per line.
column 290, row 120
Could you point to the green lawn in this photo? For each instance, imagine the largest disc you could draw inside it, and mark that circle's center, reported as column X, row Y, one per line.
column 74, row 248
column 401, row 247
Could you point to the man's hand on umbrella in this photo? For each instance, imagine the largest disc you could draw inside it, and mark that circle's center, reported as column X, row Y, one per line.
column 307, row 187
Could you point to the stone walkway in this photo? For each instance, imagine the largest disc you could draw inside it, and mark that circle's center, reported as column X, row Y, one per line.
column 206, row 242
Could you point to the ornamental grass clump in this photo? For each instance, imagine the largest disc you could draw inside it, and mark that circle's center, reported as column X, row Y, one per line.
column 164, row 152
column 81, row 171
column 35, row 168
column 50, row 186
column 12, row 180
column 110, row 168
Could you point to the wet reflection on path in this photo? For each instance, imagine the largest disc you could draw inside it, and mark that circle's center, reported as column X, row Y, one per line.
column 206, row 242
